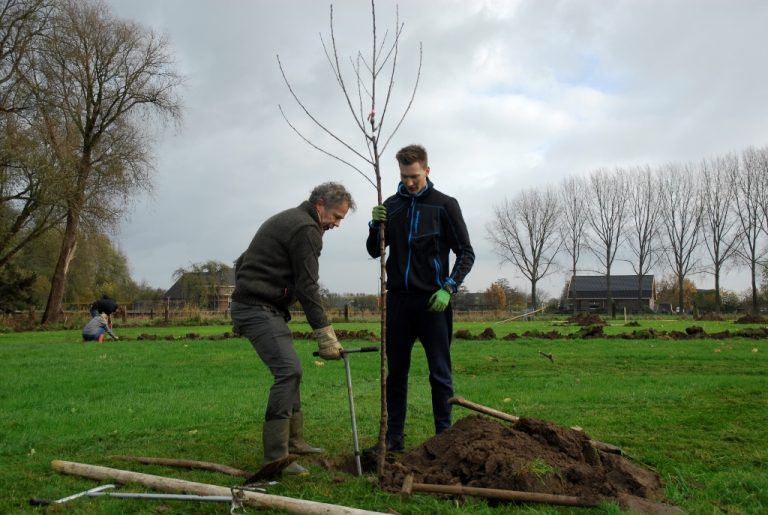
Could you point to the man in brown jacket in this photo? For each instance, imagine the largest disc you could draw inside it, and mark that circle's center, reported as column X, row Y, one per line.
column 279, row 267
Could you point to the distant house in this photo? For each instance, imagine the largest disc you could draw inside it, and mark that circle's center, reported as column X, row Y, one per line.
column 204, row 289
column 590, row 293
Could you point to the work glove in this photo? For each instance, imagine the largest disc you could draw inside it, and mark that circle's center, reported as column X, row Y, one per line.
column 379, row 213
column 439, row 300
column 327, row 343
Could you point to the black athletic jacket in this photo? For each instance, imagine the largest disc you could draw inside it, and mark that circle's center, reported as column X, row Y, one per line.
column 420, row 232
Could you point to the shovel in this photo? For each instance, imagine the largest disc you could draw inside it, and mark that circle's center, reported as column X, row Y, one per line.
column 355, row 442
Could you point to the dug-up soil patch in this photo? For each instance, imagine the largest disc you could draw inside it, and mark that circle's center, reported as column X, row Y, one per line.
column 586, row 319
column 530, row 455
column 751, row 319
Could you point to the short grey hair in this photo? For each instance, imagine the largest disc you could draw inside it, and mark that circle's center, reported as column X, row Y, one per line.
column 333, row 194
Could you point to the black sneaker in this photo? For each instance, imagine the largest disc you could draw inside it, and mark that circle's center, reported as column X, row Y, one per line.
column 394, row 444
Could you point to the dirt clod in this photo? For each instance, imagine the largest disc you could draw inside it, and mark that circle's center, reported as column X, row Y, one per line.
column 586, row 319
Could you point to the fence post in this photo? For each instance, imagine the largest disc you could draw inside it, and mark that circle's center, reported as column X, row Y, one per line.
column 346, row 312
column 166, row 313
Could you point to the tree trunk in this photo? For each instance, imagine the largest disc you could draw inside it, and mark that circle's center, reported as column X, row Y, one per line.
column 54, row 306
column 680, row 295
column 380, row 458
column 718, row 301
column 573, row 288
column 753, row 268
column 533, row 296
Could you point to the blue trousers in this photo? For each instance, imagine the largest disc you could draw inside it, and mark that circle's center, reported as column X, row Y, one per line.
column 407, row 320
column 271, row 338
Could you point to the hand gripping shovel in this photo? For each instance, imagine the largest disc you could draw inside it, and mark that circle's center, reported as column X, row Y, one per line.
column 355, row 443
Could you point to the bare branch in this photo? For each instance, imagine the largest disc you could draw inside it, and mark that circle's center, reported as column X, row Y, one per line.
column 329, row 154
column 317, row 122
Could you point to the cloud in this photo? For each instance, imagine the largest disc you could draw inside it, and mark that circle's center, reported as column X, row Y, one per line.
column 512, row 95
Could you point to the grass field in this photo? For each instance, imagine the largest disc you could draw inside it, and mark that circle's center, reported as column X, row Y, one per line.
column 695, row 411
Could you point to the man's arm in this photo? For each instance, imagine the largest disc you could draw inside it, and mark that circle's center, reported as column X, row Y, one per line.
column 458, row 240
column 304, row 253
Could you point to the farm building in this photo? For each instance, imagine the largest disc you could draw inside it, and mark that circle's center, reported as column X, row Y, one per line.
column 204, row 289
column 590, row 293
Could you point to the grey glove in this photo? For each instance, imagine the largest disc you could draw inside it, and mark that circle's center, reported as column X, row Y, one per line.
column 327, row 343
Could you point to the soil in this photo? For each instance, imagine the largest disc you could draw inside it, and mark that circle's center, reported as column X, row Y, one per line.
column 586, row 319
column 530, row 455
column 751, row 319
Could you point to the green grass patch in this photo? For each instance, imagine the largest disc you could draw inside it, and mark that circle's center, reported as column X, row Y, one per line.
column 695, row 411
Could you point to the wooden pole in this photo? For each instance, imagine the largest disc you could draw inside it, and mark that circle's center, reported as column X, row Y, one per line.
column 167, row 484
column 190, row 464
column 495, row 493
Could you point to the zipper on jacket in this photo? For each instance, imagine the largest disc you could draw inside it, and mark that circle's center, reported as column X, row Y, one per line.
column 411, row 230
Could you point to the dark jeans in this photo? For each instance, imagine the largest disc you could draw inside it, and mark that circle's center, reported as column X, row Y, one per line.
column 271, row 338
column 407, row 320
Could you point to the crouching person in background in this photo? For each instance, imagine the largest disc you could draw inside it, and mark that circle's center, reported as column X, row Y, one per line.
column 94, row 330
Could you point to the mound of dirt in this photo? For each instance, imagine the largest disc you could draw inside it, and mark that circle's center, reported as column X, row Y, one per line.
column 750, row 319
column 586, row 319
column 530, row 455
column 710, row 316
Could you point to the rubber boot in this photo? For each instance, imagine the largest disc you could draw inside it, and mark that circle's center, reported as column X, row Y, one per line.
column 275, row 438
column 296, row 443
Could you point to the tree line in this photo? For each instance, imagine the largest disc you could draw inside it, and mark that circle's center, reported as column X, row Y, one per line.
column 685, row 218
column 81, row 93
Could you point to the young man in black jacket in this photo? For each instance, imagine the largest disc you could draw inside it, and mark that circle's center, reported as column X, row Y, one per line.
column 422, row 226
column 279, row 267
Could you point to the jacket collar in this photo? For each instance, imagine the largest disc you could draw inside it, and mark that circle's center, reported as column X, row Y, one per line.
column 423, row 193
column 308, row 207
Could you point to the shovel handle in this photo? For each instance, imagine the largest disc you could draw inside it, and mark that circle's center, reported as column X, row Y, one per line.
column 372, row 348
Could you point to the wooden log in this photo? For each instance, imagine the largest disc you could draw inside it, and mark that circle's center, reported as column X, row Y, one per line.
column 461, row 401
column 167, row 484
column 410, row 486
column 190, row 464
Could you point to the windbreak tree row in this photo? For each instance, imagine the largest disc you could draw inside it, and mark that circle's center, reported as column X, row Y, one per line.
column 688, row 218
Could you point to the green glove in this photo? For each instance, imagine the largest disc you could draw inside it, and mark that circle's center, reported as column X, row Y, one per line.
column 379, row 213
column 439, row 300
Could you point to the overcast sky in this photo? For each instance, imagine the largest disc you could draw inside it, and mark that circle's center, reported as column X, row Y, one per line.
column 513, row 94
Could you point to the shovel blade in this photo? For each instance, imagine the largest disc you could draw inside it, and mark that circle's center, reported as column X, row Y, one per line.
column 271, row 469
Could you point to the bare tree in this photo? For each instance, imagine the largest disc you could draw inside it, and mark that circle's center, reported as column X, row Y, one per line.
column 761, row 163
column 750, row 214
column 27, row 206
column 21, row 22
column 573, row 220
column 29, row 198
column 681, row 220
column 607, row 218
column 524, row 233
column 367, row 96
column 643, row 225
column 97, row 82
column 719, row 222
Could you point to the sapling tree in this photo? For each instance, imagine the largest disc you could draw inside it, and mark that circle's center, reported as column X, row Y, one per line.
column 367, row 86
